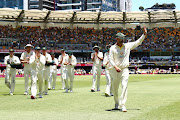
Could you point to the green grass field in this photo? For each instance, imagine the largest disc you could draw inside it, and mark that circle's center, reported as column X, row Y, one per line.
column 150, row 97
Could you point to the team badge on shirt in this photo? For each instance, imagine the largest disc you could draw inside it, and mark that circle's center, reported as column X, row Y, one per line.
column 121, row 55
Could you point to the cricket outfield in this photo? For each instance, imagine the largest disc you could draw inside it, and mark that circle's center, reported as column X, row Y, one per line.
column 150, row 97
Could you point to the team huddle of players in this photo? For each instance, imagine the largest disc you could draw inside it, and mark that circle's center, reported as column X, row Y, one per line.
column 43, row 67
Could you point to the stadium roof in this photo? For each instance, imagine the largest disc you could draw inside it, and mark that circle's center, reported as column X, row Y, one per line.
column 88, row 16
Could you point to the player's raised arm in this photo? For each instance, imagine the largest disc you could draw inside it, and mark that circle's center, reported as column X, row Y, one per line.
column 135, row 44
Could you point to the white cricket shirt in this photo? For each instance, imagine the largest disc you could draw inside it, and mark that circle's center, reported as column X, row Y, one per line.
column 97, row 61
column 25, row 55
column 119, row 56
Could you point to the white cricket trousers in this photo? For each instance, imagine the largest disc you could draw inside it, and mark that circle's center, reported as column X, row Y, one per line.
column 10, row 73
column 34, row 83
column 62, row 78
column 40, row 81
column 118, row 77
column 53, row 75
column 96, row 71
column 70, row 75
column 108, row 80
column 46, row 78
column 27, row 72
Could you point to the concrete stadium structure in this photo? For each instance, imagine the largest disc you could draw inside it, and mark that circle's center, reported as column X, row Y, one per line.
column 88, row 19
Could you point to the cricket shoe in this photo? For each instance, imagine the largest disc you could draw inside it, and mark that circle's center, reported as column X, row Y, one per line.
column 49, row 88
column 98, row 89
column 107, row 95
column 25, row 93
column 124, row 108
column 53, row 88
column 111, row 94
column 71, row 91
column 92, row 90
column 10, row 93
column 32, row 97
column 66, row 91
column 40, row 96
column 45, row 93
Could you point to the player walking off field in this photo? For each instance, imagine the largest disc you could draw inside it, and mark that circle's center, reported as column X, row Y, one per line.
column 119, row 58
column 38, row 63
column 25, row 56
column 53, row 72
column 46, row 69
column 97, row 58
column 108, row 66
column 10, row 61
column 69, row 62
column 62, row 69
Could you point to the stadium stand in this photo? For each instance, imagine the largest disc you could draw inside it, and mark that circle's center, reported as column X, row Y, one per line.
column 158, row 38
column 80, row 31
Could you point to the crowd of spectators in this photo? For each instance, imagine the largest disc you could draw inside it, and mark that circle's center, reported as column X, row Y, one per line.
column 80, row 72
column 145, row 59
column 157, row 38
column 155, row 71
column 20, row 72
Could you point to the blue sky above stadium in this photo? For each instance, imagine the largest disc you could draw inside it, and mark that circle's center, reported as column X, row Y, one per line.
column 150, row 3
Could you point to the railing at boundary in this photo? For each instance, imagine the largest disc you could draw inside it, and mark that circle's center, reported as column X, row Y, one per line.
column 79, row 65
column 58, row 51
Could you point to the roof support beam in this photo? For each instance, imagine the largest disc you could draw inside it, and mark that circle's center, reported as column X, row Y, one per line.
column 47, row 16
column 124, row 19
column 20, row 16
column 175, row 16
column 149, row 16
column 72, row 19
column 99, row 14
column 46, row 19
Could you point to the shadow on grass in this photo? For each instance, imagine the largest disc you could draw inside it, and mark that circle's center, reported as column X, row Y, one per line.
column 37, row 98
column 106, row 96
column 115, row 110
column 7, row 94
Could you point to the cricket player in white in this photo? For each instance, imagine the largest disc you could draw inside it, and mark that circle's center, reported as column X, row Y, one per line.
column 62, row 69
column 38, row 64
column 119, row 58
column 25, row 56
column 97, row 58
column 10, row 60
column 70, row 62
column 108, row 66
column 53, row 72
column 46, row 69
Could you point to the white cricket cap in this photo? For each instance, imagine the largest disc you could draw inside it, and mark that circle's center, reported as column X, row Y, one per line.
column 28, row 45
